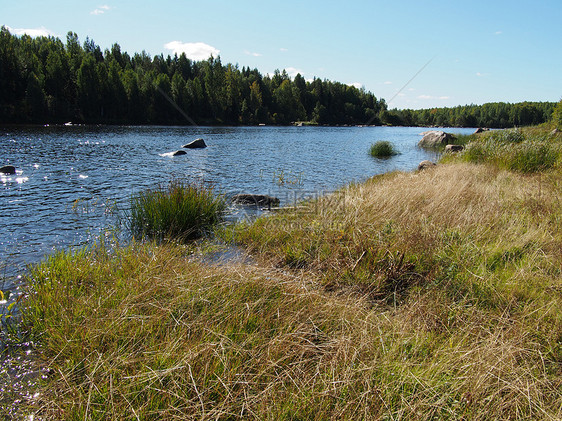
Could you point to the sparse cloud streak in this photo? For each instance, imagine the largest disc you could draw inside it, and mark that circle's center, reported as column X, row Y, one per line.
column 193, row 50
column 249, row 53
column 100, row 10
column 443, row 97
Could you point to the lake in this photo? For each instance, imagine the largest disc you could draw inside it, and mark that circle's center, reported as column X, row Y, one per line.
column 73, row 181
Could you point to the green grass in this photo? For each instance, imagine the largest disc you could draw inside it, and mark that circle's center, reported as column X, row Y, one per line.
column 515, row 150
column 383, row 149
column 179, row 211
column 426, row 295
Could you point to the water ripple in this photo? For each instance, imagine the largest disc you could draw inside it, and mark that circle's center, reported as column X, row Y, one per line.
column 68, row 177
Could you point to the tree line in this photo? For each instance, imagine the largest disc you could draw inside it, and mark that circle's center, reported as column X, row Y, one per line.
column 44, row 80
column 493, row 115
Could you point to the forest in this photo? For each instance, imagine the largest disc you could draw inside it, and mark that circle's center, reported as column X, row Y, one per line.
column 494, row 115
column 44, row 80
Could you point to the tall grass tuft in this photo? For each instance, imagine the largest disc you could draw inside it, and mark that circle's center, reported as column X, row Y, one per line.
column 515, row 150
column 383, row 149
column 179, row 211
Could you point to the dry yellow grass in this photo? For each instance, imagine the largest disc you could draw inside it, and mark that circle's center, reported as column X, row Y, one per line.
column 432, row 295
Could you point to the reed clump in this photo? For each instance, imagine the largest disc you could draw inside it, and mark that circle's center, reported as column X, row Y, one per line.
column 178, row 211
column 382, row 149
column 516, row 150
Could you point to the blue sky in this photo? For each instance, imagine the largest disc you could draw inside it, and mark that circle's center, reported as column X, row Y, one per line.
column 478, row 51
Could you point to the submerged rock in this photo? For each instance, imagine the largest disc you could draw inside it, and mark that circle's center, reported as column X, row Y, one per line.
column 454, row 148
column 255, row 199
column 179, row 152
column 425, row 165
column 8, row 170
column 197, row 143
column 434, row 139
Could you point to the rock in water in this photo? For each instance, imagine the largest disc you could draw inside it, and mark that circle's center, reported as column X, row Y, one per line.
column 179, row 152
column 197, row 143
column 453, row 148
column 434, row 139
column 425, row 165
column 255, row 199
column 8, row 170
column 480, row 130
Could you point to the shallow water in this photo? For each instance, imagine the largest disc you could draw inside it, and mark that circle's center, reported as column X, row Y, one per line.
column 72, row 182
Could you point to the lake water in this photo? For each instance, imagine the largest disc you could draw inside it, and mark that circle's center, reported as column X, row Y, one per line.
column 71, row 182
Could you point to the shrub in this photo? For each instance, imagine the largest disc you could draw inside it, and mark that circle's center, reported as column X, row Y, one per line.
column 382, row 149
column 181, row 211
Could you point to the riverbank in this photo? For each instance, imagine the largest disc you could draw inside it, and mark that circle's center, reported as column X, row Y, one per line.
column 433, row 294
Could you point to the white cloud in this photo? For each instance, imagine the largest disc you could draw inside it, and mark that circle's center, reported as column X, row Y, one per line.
column 193, row 50
column 100, row 10
column 32, row 32
column 248, row 53
column 284, row 50
column 443, row 97
column 388, row 82
column 356, row 84
column 498, row 33
column 292, row 72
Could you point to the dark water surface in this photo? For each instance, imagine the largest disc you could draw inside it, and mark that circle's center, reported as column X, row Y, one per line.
column 72, row 181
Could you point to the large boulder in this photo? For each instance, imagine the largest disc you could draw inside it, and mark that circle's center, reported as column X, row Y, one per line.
column 8, row 170
column 435, row 139
column 480, row 130
column 425, row 165
column 255, row 199
column 179, row 152
column 453, row 148
column 196, row 144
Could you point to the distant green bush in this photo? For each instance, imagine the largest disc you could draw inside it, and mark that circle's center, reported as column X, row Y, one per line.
column 179, row 211
column 383, row 149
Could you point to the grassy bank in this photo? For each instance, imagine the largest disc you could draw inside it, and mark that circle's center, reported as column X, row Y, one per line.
column 430, row 295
